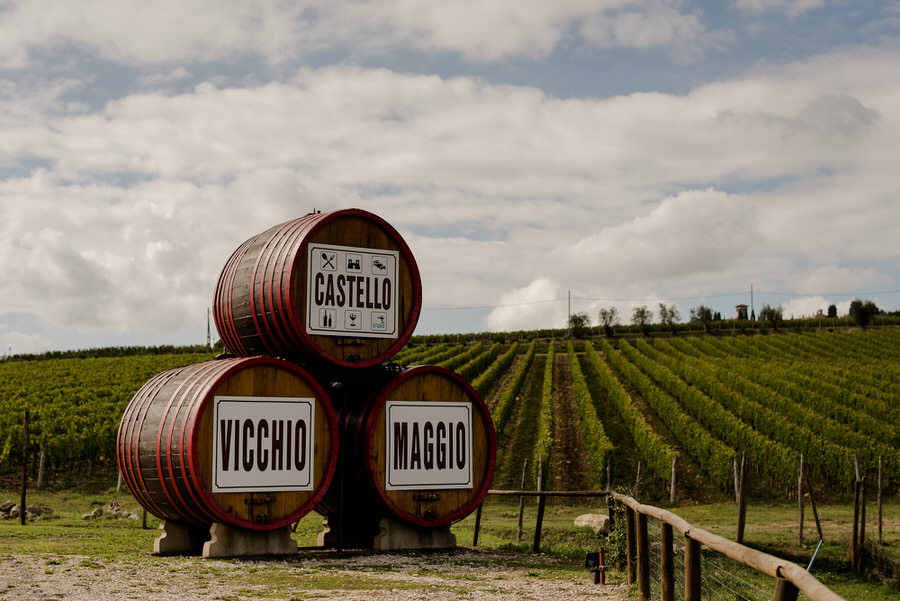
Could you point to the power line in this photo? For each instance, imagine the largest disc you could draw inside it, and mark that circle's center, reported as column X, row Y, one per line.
column 655, row 299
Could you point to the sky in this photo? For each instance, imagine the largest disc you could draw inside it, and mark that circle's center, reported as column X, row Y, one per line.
column 537, row 157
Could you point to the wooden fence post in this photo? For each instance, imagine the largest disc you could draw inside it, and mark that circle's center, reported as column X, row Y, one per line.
column 630, row 545
column 785, row 591
column 800, row 501
column 643, row 557
column 22, row 504
column 666, row 562
column 880, row 488
column 854, row 537
column 692, row 583
column 742, row 501
column 536, row 548
column 477, row 525
column 521, row 502
column 862, row 527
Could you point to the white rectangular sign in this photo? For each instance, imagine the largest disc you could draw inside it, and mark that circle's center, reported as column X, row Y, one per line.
column 429, row 445
column 263, row 443
column 352, row 291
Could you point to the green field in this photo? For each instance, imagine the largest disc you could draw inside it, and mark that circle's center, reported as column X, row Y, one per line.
column 586, row 410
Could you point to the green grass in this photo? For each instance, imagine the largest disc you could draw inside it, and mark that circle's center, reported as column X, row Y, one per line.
column 63, row 537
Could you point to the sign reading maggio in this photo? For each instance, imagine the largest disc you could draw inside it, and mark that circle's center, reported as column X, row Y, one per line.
column 352, row 291
column 263, row 444
column 429, row 445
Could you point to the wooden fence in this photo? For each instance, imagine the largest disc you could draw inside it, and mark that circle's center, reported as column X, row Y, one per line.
column 790, row 579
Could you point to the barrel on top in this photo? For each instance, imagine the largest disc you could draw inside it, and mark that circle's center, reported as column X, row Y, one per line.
column 342, row 287
column 424, row 448
column 250, row 443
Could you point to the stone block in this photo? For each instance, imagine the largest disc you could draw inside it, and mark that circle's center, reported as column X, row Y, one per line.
column 179, row 539
column 226, row 541
column 398, row 536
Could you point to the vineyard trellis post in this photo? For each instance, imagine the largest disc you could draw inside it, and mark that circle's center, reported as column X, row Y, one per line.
column 742, row 500
column 737, row 480
column 40, row 478
column 672, row 480
column 637, row 482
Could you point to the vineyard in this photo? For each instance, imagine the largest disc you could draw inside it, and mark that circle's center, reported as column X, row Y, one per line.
column 581, row 412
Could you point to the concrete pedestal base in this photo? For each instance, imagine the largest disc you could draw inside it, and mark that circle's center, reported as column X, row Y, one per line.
column 226, row 541
column 397, row 536
column 179, row 539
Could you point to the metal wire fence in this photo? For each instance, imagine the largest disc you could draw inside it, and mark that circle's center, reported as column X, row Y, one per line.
column 722, row 578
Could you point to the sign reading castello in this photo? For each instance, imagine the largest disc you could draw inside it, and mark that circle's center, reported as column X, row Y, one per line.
column 352, row 291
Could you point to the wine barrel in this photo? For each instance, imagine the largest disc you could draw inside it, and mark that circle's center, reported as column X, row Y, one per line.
column 423, row 447
column 247, row 442
column 341, row 287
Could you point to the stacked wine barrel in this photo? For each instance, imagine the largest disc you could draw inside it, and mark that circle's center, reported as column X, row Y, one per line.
column 306, row 411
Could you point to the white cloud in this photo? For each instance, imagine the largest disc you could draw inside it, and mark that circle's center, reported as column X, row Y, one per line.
column 534, row 306
column 792, row 8
column 123, row 215
column 697, row 231
column 169, row 32
column 832, row 279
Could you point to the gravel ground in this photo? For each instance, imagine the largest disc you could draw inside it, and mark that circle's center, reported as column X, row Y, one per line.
column 461, row 574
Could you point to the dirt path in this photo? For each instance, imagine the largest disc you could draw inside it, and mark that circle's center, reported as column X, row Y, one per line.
column 445, row 576
column 569, row 469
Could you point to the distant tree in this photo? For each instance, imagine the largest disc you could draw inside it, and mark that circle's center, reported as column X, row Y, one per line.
column 771, row 314
column 669, row 316
column 703, row 315
column 609, row 319
column 832, row 310
column 579, row 325
column 862, row 312
column 641, row 317
column 717, row 316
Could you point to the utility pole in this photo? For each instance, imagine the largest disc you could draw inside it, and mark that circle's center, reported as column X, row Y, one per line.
column 752, row 310
column 569, row 321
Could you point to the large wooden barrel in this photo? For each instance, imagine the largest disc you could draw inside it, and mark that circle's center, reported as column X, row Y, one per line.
column 423, row 448
column 250, row 443
column 342, row 287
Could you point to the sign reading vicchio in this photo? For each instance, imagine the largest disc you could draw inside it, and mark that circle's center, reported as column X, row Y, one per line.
column 263, row 444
